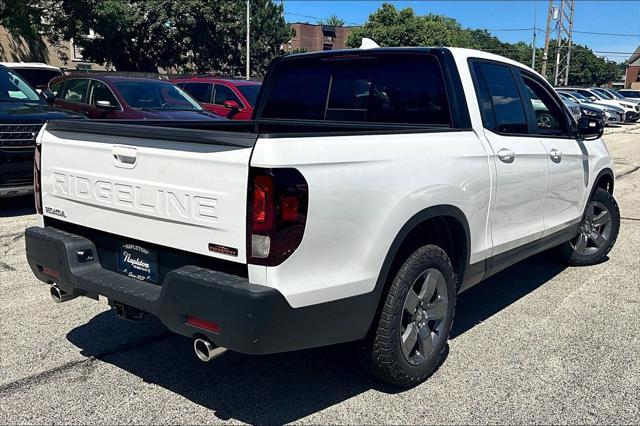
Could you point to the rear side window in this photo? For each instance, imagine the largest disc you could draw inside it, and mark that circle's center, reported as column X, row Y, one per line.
column 498, row 86
column 384, row 89
column 201, row 92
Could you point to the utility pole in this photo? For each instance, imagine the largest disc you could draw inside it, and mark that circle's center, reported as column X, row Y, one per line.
column 248, row 38
column 565, row 35
column 533, row 43
column 562, row 14
column 547, row 38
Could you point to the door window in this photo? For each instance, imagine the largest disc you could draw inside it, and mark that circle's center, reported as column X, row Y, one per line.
column 201, row 92
column 496, row 87
column 223, row 94
column 58, row 88
column 100, row 92
column 550, row 117
column 75, row 90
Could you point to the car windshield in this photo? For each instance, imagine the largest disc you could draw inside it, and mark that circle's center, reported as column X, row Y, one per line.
column 250, row 92
column 615, row 94
column 156, row 95
column 38, row 77
column 603, row 93
column 631, row 94
column 579, row 96
column 14, row 89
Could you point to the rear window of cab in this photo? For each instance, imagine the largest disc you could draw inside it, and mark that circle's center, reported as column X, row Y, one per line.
column 407, row 89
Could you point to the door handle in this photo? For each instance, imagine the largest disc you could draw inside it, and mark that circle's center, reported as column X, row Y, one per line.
column 555, row 155
column 506, row 156
column 124, row 156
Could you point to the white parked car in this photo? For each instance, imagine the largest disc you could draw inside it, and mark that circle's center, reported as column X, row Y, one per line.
column 631, row 110
column 613, row 114
column 363, row 198
column 616, row 95
column 36, row 74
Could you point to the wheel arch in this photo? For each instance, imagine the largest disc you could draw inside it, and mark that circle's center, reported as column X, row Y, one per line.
column 605, row 180
column 447, row 218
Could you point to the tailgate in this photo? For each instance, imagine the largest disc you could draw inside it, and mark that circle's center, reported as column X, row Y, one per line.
column 180, row 188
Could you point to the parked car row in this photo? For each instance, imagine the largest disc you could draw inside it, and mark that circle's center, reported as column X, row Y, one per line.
column 616, row 107
column 32, row 94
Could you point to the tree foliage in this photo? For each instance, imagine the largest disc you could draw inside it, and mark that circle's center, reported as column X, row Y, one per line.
column 22, row 18
column 333, row 21
column 142, row 35
column 389, row 26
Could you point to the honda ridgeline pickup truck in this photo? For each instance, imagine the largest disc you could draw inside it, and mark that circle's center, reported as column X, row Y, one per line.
column 369, row 189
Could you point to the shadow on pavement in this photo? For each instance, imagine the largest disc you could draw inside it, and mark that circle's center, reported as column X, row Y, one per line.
column 271, row 389
column 278, row 388
column 17, row 206
column 501, row 290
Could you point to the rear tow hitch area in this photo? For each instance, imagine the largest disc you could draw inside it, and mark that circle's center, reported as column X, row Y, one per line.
column 127, row 312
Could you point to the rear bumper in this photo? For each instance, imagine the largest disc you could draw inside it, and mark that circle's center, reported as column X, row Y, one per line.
column 252, row 319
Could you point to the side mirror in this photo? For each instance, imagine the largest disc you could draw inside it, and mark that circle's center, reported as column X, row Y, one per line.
column 105, row 105
column 590, row 129
column 48, row 96
column 231, row 105
column 593, row 98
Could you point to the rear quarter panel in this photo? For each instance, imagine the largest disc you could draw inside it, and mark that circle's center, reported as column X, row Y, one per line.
column 362, row 190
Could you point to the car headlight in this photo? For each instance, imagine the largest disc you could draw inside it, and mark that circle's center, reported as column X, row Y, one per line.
column 627, row 106
column 589, row 112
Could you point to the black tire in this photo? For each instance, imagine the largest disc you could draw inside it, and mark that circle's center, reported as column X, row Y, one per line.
column 593, row 253
column 384, row 354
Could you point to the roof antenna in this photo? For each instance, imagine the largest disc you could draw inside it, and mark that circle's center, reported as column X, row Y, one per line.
column 367, row 43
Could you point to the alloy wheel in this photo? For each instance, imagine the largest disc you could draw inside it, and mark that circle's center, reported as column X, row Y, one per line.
column 423, row 316
column 594, row 231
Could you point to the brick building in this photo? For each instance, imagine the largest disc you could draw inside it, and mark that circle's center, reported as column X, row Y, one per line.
column 313, row 38
column 632, row 79
column 65, row 56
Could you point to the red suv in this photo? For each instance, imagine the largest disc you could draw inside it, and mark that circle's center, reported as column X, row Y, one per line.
column 115, row 97
column 233, row 99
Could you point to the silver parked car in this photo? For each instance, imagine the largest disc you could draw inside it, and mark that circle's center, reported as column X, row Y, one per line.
column 612, row 114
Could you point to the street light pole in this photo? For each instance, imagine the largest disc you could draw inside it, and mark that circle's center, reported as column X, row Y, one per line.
column 248, row 37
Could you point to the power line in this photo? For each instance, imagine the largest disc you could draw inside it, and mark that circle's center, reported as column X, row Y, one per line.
column 607, row 34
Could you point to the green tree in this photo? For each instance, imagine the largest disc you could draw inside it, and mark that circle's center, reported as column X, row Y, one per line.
column 389, row 26
column 203, row 35
column 333, row 21
column 22, row 17
column 586, row 68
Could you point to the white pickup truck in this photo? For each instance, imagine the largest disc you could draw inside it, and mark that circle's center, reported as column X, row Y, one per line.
column 371, row 187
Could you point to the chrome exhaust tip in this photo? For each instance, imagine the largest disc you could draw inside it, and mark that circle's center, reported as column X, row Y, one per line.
column 206, row 350
column 60, row 296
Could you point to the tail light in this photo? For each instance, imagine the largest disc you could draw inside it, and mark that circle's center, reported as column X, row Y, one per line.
column 277, row 214
column 37, row 190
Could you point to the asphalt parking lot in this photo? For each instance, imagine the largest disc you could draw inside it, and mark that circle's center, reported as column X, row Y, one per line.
column 538, row 343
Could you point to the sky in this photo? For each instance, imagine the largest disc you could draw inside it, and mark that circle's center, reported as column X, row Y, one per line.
column 603, row 16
